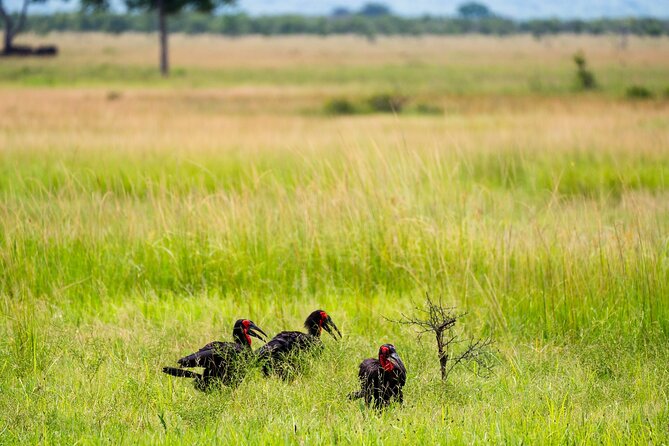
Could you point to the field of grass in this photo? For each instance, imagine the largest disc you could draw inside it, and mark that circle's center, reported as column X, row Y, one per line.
column 139, row 218
column 422, row 65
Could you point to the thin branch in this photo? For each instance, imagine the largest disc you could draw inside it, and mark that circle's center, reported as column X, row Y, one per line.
column 22, row 18
column 477, row 352
column 5, row 16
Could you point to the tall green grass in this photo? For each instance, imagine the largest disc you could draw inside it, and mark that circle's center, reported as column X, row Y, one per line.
column 518, row 233
column 113, row 264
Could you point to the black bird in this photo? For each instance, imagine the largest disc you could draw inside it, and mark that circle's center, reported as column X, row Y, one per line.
column 381, row 379
column 279, row 354
column 223, row 362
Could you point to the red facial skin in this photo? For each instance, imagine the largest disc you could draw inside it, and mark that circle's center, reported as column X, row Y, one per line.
column 383, row 354
column 246, row 325
column 324, row 316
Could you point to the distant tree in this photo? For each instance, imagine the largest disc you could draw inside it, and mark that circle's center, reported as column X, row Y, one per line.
column 374, row 10
column 474, row 11
column 239, row 24
column 584, row 77
column 163, row 8
column 233, row 25
column 13, row 22
column 340, row 11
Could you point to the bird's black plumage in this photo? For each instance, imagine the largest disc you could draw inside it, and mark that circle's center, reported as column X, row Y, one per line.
column 279, row 354
column 382, row 380
column 223, row 362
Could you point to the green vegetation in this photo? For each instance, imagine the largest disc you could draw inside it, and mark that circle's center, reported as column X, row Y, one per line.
column 638, row 92
column 474, row 11
column 365, row 25
column 423, row 108
column 387, row 103
column 340, row 106
column 585, row 78
column 114, row 264
column 380, row 103
column 136, row 224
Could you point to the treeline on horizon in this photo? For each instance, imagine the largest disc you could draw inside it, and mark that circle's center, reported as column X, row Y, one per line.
column 369, row 26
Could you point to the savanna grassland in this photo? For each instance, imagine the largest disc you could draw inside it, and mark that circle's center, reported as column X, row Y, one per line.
column 139, row 217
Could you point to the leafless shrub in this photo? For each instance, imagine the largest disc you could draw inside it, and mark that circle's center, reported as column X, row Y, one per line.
column 435, row 318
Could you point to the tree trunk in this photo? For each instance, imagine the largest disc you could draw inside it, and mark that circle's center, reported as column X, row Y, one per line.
column 443, row 356
column 7, row 41
column 12, row 28
column 162, row 31
column 8, row 30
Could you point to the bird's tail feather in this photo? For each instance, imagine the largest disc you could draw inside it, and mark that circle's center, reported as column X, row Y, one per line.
column 181, row 373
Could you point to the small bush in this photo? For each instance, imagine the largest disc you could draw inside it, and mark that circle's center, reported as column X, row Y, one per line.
column 113, row 95
column 428, row 109
column 638, row 92
column 387, row 103
column 339, row 106
column 584, row 77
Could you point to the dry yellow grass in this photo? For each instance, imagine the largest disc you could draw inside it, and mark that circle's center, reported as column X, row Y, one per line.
column 261, row 119
column 275, row 52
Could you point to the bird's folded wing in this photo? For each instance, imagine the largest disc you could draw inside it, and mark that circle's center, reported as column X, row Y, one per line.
column 281, row 343
column 201, row 358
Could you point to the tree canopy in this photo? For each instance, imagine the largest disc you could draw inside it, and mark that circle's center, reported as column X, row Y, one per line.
column 374, row 10
column 241, row 24
column 474, row 11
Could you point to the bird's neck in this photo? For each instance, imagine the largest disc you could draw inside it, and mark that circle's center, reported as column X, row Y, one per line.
column 387, row 365
column 243, row 339
column 314, row 330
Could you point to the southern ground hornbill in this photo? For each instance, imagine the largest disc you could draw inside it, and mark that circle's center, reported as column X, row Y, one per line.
column 223, row 362
column 279, row 355
column 381, row 379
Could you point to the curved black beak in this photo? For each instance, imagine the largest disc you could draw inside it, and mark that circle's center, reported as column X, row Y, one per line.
column 328, row 325
column 397, row 362
column 253, row 333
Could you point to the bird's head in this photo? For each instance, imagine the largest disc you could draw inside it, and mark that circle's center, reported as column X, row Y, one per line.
column 319, row 320
column 244, row 329
column 389, row 358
